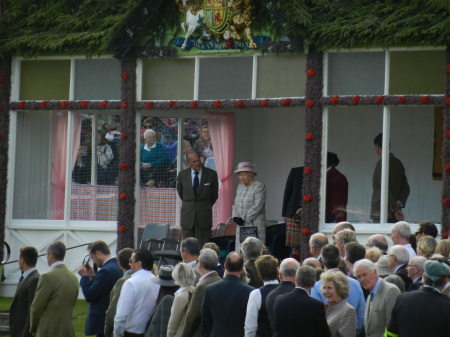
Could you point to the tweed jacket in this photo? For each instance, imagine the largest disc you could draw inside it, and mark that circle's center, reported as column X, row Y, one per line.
column 52, row 307
column 19, row 313
column 341, row 318
column 178, row 313
column 157, row 326
column 113, row 299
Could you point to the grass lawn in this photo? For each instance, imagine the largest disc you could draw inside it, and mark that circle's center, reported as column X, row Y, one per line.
column 79, row 313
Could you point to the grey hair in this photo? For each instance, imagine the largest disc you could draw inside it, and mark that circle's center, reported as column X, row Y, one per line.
column 58, row 249
column 318, row 240
column 183, row 275
column 345, row 236
column 418, row 261
column 208, row 258
column 364, row 263
column 400, row 253
column 402, row 228
column 305, row 277
column 149, row 132
column 289, row 267
column 252, row 248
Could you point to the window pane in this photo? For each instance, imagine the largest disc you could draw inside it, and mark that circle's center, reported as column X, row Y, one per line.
column 356, row 73
column 40, row 165
column 225, row 78
column 350, row 137
column 97, row 80
column 417, row 72
column 159, row 75
column 44, row 80
column 289, row 81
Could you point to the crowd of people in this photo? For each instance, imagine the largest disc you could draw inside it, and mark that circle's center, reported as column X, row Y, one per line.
column 344, row 289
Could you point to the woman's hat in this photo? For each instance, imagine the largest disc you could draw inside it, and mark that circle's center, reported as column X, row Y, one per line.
column 245, row 166
column 164, row 277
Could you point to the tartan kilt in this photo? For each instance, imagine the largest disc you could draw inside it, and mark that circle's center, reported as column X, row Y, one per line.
column 293, row 231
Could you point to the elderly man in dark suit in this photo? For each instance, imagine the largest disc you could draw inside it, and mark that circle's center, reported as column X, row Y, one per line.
column 19, row 313
column 296, row 314
column 225, row 303
column 198, row 188
column 97, row 287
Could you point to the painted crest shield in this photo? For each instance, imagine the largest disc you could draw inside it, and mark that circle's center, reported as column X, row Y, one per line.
column 217, row 16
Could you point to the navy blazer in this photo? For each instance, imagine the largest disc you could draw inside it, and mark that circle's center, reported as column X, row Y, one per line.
column 96, row 293
column 224, row 308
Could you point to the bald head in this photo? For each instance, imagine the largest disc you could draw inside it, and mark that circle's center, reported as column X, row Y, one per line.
column 288, row 269
column 312, row 262
column 379, row 241
column 341, row 226
column 234, row 263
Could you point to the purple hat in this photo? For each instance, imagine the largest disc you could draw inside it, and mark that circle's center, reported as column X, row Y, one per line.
column 245, row 166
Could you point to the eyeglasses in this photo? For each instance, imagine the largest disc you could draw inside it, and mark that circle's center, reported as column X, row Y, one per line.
column 417, row 233
column 410, row 266
column 86, row 259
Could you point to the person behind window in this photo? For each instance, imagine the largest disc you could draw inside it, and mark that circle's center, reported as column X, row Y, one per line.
column 105, row 155
column 81, row 173
column 398, row 189
column 154, row 160
column 337, row 191
column 204, row 144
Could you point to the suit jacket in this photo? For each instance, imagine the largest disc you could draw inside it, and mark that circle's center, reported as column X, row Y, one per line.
column 252, row 274
column 292, row 192
column 52, row 307
column 296, row 314
column 421, row 313
column 337, row 196
column 403, row 273
column 197, row 207
column 19, row 313
column 283, row 287
column 416, row 284
column 378, row 311
column 97, row 294
column 193, row 324
column 113, row 299
column 398, row 188
column 224, row 308
column 157, row 326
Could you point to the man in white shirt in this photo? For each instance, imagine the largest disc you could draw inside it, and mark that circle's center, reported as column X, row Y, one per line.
column 400, row 233
column 138, row 297
column 257, row 320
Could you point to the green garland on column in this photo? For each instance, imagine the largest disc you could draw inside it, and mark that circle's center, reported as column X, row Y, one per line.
column 127, row 172
column 446, row 153
column 313, row 148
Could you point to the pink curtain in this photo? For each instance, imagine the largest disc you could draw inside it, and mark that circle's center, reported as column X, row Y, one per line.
column 221, row 128
column 59, row 159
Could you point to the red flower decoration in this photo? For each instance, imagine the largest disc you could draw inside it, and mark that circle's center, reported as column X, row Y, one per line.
column 309, row 103
column 447, row 100
column 286, row 101
column 170, row 104
column 43, row 104
column 447, row 167
column 307, row 197
column 122, row 229
column 1, row 79
column 379, row 99
column 263, row 102
column 229, row 44
column 309, row 136
column 123, row 135
column 240, row 104
column 305, row 231
column 21, row 105
column 103, row 104
column 64, row 104
column 123, row 167
column 445, row 235
column 334, row 100
column 218, row 103
column 125, row 76
column 308, row 170
column 402, row 100
column 194, row 105
column 447, row 202
column 84, row 104
column 447, row 133
column 124, row 105
column 355, row 99
column 1, row 107
column 123, row 196
column 310, row 72
column 425, row 99
column 149, row 105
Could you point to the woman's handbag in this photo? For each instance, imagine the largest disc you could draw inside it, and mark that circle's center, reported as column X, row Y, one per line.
column 247, row 231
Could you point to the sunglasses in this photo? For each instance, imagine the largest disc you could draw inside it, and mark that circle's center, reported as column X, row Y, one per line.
column 86, row 259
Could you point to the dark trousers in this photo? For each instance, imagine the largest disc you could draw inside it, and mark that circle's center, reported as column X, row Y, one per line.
column 131, row 334
column 202, row 235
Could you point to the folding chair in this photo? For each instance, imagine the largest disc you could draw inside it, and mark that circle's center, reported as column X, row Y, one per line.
column 155, row 234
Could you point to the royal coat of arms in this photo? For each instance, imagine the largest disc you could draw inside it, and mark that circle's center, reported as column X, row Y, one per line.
column 217, row 24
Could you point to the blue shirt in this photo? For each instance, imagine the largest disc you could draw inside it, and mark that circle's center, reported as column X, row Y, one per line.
column 355, row 299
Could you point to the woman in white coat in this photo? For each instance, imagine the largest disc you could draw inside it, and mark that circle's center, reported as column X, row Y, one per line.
column 249, row 205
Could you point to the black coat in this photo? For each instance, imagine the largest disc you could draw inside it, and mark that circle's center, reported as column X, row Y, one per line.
column 292, row 199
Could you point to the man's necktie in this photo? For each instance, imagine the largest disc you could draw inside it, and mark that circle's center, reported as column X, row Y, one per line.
column 20, row 279
column 196, row 182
